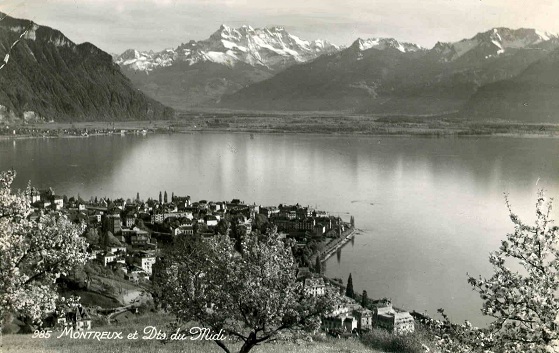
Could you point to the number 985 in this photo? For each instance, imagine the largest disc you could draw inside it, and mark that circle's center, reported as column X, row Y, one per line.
column 41, row 334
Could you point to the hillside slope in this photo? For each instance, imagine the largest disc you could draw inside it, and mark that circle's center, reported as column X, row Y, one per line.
column 48, row 75
column 532, row 96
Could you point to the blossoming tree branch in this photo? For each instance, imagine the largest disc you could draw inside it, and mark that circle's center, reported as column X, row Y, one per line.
column 33, row 254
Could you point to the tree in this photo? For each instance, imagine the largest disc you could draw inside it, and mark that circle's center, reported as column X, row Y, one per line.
column 111, row 240
column 525, row 303
column 140, row 224
column 165, row 197
column 349, row 288
column 160, row 198
column 222, row 226
column 33, row 254
column 250, row 296
column 364, row 299
column 261, row 222
column 92, row 236
column 318, row 265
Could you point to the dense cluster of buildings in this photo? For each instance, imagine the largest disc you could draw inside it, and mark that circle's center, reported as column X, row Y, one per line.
column 296, row 218
column 128, row 233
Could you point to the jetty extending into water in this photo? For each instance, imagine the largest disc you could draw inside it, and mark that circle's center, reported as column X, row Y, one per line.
column 336, row 244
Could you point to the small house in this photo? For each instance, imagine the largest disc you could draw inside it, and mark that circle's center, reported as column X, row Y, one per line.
column 78, row 318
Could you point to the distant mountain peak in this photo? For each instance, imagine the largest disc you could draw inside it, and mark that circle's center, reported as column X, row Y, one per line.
column 385, row 43
column 272, row 47
column 514, row 38
column 276, row 29
column 493, row 42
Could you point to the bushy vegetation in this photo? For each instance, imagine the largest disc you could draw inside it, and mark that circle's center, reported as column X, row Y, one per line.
column 33, row 254
column 387, row 342
column 524, row 303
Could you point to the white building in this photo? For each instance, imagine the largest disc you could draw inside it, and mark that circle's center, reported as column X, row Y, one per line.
column 398, row 322
column 145, row 261
column 314, row 286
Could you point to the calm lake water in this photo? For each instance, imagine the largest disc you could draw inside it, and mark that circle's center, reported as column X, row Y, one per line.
column 430, row 209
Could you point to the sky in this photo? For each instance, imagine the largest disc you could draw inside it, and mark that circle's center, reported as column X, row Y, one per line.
column 117, row 25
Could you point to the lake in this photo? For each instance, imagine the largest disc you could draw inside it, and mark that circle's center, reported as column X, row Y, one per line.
column 429, row 209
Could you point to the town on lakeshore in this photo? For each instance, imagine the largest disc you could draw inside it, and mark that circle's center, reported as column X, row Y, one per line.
column 125, row 239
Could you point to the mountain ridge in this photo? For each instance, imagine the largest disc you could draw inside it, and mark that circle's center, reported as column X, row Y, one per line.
column 272, row 47
column 372, row 75
column 248, row 68
column 384, row 43
column 532, row 96
column 199, row 73
column 50, row 77
column 387, row 79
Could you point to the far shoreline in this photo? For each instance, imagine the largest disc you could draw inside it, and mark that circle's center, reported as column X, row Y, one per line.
column 357, row 126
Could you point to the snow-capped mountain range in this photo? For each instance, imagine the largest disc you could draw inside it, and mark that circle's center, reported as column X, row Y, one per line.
column 500, row 73
column 385, row 76
column 273, row 48
column 255, row 69
column 494, row 42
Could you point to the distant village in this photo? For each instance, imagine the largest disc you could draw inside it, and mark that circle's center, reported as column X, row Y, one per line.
column 45, row 131
column 127, row 235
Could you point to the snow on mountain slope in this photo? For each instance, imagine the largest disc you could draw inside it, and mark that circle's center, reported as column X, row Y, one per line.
column 273, row 48
column 145, row 61
column 494, row 42
column 385, row 43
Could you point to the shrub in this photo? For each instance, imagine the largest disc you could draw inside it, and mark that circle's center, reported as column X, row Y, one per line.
column 388, row 342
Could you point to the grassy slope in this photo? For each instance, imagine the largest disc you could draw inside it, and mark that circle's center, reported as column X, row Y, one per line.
column 25, row 343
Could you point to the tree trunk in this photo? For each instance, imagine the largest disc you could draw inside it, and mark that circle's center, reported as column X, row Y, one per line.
column 247, row 347
column 222, row 346
column 249, row 343
column 5, row 318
